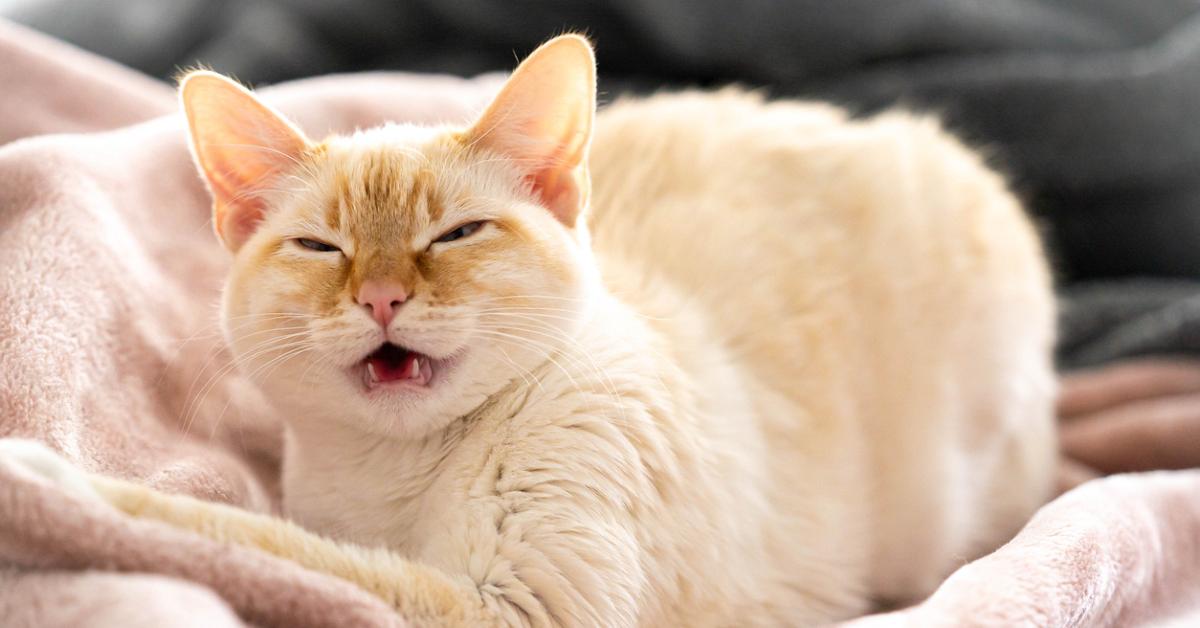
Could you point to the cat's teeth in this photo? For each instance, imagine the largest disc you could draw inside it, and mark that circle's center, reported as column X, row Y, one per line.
column 415, row 369
column 372, row 376
column 426, row 371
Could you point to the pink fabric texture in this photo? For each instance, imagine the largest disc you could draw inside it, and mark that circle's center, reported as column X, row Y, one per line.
column 109, row 353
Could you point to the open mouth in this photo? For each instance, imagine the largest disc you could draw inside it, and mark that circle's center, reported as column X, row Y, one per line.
column 393, row 364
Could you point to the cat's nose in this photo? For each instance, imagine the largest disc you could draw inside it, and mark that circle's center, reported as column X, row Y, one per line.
column 382, row 299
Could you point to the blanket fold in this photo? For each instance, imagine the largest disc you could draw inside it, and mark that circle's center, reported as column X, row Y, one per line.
column 43, row 528
column 1119, row 551
column 109, row 353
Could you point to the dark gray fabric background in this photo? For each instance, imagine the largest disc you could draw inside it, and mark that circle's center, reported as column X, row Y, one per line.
column 1089, row 106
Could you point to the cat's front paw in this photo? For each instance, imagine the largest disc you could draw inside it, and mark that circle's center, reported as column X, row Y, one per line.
column 38, row 460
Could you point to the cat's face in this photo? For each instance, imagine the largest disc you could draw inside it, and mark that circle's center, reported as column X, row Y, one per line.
column 484, row 281
column 396, row 278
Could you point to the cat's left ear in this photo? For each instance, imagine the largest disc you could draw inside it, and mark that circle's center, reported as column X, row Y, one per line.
column 542, row 120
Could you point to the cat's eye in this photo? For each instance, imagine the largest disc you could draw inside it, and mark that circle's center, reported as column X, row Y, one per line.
column 460, row 231
column 316, row 245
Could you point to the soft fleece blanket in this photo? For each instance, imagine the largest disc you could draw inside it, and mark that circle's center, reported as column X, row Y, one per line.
column 109, row 353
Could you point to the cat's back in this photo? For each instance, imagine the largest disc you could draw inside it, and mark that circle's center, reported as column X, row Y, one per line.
column 881, row 287
column 721, row 191
column 787, row 218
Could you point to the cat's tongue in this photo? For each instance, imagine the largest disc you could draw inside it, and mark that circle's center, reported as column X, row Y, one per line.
column 394, row 364
column 387, row 371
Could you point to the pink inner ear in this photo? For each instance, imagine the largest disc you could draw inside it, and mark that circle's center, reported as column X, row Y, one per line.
column 560, row 187
column 235, row 227
column 238, row 205
column 561, row 195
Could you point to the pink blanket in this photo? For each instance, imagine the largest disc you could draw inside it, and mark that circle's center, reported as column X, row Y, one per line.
column 110, row 354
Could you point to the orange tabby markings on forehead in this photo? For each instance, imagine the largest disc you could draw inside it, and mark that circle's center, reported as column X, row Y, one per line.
column 384, row 194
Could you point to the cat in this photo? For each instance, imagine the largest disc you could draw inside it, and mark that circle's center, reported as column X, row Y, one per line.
column 700, row 360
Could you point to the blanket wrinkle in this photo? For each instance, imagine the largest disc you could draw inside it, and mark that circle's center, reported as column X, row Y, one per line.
column 1119, row 551
column 109, row 354
column 43, row 527
column 1150, row 378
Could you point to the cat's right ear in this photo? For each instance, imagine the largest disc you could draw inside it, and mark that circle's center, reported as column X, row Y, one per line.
column 242, row 147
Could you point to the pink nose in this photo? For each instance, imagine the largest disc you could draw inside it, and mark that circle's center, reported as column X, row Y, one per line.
column 381, row 299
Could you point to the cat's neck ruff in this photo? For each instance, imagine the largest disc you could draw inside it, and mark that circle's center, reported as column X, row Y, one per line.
column 332, row 469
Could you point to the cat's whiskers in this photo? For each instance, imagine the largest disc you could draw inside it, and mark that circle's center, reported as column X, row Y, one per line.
column 583, row 359
column 543, row 350
column 209, row 330
column 548, row 347
column 574, row 351
column 194, row 405
column 470, row 301
column 260, row 349
column 311, row 365
column 220, row 347
column 620, row 419
column 524, row 373
column 278, row 361
column 536, row 319
column 541, row 312
column 273, row 314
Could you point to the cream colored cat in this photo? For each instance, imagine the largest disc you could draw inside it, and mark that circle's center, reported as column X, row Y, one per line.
column 738, row 364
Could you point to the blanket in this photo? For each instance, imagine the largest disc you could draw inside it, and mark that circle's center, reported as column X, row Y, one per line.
column 109, row 354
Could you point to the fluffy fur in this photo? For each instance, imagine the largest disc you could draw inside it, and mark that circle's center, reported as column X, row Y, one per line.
column 782, row 366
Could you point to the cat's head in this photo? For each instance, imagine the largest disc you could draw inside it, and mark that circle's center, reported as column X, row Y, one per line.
column 397, row 277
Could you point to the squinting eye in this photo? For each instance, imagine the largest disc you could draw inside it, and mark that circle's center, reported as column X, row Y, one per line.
column 316, row 245
column 460, row 231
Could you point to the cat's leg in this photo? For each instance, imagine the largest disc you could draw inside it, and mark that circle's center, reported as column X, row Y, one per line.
column 422, row 595
column 419, row 593
column 529, row 573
